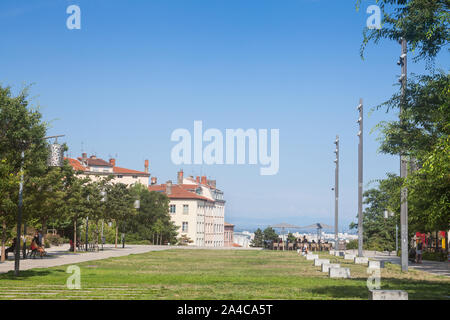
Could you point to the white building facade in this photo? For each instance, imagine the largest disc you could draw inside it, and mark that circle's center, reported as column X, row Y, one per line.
column 197, row 207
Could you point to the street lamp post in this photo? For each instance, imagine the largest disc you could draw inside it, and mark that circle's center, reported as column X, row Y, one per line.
column 336, row 193
column 360, row 179
column 403, row 168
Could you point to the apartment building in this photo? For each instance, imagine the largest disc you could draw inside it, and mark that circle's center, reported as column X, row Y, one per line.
column 197, row 207
column 95, row 168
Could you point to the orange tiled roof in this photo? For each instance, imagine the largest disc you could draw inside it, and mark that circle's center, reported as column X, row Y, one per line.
column 125, row 170
column 76, row 165
column 236, row 245
column 178, row 192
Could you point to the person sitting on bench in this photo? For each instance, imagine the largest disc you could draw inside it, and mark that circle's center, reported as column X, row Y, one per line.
column 10, row 249
column 35, row 248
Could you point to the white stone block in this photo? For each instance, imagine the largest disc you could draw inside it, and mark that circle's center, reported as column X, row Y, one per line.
column 339, row 272
column 312, row 256
column 388, row 295
column 319, row 262
column 327, row 266
column 349, row 257
column 361, row 260
column 375, row 264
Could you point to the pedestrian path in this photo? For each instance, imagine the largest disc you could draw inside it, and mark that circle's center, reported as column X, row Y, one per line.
column 433, row 267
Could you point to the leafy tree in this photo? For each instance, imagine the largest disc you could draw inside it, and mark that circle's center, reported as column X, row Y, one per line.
column 21, row 130
column 291, row 238
column 429, row 189
column 152, row 221
column 258, row 240
column 379, row 232
column 270, row 235
column 76, row 203
column 424, row 120
column 424, row 23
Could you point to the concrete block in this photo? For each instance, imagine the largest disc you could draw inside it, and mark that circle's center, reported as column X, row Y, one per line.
column 388, row 295
column 349, row 257
column 312, row 256
column 339, row 272
column 361, row 260
column 319, row 262
column 339, row 253
column 375, row 264
column 327, row 266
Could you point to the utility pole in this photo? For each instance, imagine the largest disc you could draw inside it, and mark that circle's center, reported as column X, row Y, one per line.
column 403, row 166
column 336, row 193
column 360, row 179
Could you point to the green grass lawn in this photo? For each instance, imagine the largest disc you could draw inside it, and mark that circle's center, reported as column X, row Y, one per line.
column 214, row 274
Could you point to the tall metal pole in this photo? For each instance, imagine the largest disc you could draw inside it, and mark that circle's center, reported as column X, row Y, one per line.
column 403, row 168
column 360, row 179
column 19, row 221
column 336, row 194
column 87, row 232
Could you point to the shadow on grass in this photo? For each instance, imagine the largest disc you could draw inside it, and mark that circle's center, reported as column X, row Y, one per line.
column 25, row 274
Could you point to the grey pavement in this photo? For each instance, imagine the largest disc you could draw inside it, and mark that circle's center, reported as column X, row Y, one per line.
column 433, row 267
column 57, row 256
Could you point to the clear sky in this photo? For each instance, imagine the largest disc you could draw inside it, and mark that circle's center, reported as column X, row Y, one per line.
column 139, row 69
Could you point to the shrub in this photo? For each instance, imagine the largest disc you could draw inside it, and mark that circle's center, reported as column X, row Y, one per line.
column 352, row 244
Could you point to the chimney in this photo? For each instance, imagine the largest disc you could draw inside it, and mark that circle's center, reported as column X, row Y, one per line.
column 169, row 187
column 146, row 166
column 112, row 162
column 180, row 177
column 153, row 180
column 84, row 156
column 204, row 180
column 93, row 157
column 197, row 179
column 212, row 183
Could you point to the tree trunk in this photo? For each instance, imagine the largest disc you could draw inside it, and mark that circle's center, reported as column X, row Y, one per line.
column 153, row 242
column 3, row 240
column 44, row 231
column 75, row 235
column 117, row 232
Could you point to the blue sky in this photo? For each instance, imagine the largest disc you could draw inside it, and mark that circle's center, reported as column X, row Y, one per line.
column 137, row 70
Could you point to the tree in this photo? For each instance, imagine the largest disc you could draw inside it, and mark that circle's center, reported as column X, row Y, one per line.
column 21, row 130
column 270, row 235
column 76, row 202
column 429, row 189
column 378, row 231
column 258, row 240
column 424, row 23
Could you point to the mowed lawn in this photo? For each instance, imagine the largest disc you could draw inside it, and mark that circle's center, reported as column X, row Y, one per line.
column 214, row 274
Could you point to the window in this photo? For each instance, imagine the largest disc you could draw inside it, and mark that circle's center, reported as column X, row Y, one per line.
column 185, row 209
column 172, row 208
column 119, row 176
column 184, row 227
column 134, row 177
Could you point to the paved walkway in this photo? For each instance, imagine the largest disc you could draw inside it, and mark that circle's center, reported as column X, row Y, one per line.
column 58, row 256
column 433, row 267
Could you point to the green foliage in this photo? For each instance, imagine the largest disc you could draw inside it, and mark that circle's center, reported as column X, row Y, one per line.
column 434, row 256
column 378, row 231
column 291, row 238
column 424, row 23
column 258, row 240
column 152, row 221
column 352, row 244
